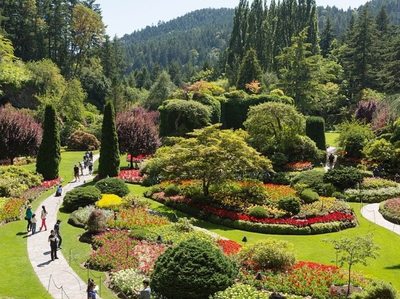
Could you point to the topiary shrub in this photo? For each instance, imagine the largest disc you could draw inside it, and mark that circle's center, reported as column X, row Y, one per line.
column 344, row 177
column 269, row 254
column 171, row 190
column 80, row 197
column 112, row 186
column 309, row 196
column 97, row 222
column 377, row 290
column 290, row 204
column 315, row 129
column 82, row 141
column 193, row 269
column 258, row 212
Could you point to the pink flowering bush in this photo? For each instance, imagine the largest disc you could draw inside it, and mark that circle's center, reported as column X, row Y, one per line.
column 147, row 254
column 130, row 176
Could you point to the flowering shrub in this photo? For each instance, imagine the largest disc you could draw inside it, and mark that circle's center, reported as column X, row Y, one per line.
column 15, row 180
column 376, row 183
column 323, row 207
column 229, row 247
column 130, row 176
column 136, row 217
column 299, row 166
column 174, row 235
column 11, row 209
column 109, row 201
column 81, row 216
column 241, row 291
column 127, row 281
column 147, row 254
column 390, row 210
column 51, row 183
column 371, row 195
column 277, row 192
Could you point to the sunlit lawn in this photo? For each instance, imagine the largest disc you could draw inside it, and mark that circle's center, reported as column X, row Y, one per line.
column 332, row 139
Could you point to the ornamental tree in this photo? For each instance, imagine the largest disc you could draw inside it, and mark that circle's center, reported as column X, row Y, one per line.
column 49, row 156
column 138, row 132
column 109, row 151
column 210, row 155
column 20, row 135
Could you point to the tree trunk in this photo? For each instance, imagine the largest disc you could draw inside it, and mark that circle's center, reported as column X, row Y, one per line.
column 348, row 284
column 131, row 161
column 12, row 161
column 206, row 191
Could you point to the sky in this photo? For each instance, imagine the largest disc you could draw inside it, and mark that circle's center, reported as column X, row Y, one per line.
column 125, row 16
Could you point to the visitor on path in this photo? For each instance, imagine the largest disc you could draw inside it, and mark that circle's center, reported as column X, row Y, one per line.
column 59, row 190
column 53, row 245
column 57, row 231
column 81, row 168
column 91, row 156
column 33, row 224
column 146, row 292
column 28, row 217
column 76, row 173
column 331, row 160
column 91, row 289
column 43, row 215
column 90, row 167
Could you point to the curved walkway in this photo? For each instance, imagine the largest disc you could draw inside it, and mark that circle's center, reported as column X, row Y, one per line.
column 57, row 277
column 371, row 213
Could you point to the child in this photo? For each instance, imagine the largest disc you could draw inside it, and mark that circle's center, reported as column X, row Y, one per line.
column 33, row 224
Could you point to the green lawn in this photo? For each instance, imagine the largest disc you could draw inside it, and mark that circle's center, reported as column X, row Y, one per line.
column 332, row 139
column 18, row 279
column 314, row 248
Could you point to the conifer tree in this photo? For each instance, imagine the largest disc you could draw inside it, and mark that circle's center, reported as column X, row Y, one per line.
column 250, row 69
column 326, row 39
column 109, row 151
column 48, row 158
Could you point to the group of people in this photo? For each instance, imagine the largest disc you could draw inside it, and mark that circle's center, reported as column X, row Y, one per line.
column 30, row 217
column 86, row 163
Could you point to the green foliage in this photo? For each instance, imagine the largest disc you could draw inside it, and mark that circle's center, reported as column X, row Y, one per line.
column 258, row 212
column 353, row 137
column 109, row 151
column 390, row 210
column 269, row 254
column 212, row 103
column 15, row 180
column 309, row 196
column 250, row 70
column 300, row 148
column 48, row 158
column 314, row 179
column 315, row 129
column 171, row 190
column 81, row 216
column 290, row 204
column 210, row 155
column 381, row 152
column 193, row 269
column 241, row 291
column 159, row 92
column 82, row 141
column 80, row 197
column 179, row 117
column 344, row 177
column 371, row 195
column 377, row 290
column 112, row 186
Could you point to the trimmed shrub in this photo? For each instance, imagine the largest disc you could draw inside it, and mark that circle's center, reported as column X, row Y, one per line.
column 344, row 177
column 110, row 201
column 212, row 103
column 291, row 205
column 377, row 290
column 193, row 269
column 353, row 137
column 300, row 148
column 390, row 210
column 241, row 291
column 127, row 281
column 80, row 217
column 269, row 254
column 171, row 190
column 315, row 129
column 309, row 196
column 372, row 195
column 97, row 222
column 82, row 141
column 80, row 197
column 112, row 186
column 258, row 212
column 48, row 158
column 377, row 183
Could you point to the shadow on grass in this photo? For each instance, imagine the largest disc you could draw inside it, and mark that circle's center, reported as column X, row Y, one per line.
column 394, row 267
column 21, row 233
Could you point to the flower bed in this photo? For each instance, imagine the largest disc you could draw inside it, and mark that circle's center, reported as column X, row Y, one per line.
column 229, row 247
column 371, row 195
column 299, row 166
column 11, row 209
column 136, row 218
column 390, row 210
column 276, row 192
column 131, row 176
column 51, row 183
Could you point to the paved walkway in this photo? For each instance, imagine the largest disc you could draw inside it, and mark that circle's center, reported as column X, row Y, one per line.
column 57, row 277
column 371, row 213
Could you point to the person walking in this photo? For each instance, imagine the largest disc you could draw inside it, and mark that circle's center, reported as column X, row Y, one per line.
column 28, row 217
column 146, row 292
column 76, row 173
column 43, row 216
column 53, row 245
column 90, row 167
column 81, row 168
column 33, row 224
column 91, row 289
column 57, row 232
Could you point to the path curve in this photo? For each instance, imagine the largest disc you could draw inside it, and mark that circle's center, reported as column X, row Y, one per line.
column 57, row 274
column 371, row 213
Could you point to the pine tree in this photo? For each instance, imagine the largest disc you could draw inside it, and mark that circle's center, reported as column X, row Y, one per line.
column 159, row 92
column 326, row 39
column 109, row 151
column 382, row 21
column 48, row 158
column 391, row 70
column 250, row 69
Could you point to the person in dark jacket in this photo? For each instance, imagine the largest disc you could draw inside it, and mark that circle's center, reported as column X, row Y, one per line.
column 57, row 232
column 28, row 217
column 53, row 245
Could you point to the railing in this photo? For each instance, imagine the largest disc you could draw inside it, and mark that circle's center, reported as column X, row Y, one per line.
column 61, row 288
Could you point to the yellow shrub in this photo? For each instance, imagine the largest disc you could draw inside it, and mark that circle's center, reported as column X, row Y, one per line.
column 109, row 201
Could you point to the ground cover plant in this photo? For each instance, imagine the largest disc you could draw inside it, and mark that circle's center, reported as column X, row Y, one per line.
column 390, row 210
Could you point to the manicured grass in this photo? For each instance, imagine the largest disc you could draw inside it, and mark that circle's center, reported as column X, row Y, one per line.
column 316, row 248
column 332, row 138
column 18, row 279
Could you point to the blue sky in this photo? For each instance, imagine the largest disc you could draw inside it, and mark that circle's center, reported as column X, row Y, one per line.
column 126, row 16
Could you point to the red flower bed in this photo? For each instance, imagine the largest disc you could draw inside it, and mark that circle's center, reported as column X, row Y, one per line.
column 229, row 247
column 299, row 166
column 130, row 176
column 136, row 159
column 51, row 183
column 147, row 255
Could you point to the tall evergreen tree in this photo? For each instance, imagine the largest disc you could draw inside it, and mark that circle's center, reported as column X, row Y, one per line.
column 48, row 158
column 326, row 39
column 109, row 151
column 391, row 69
column 382, row 20
column 159, row 92
column 250, row 69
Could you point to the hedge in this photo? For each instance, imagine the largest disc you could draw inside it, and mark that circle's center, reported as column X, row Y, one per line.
column 315, row 129
column 371, row 196
column 388, row 215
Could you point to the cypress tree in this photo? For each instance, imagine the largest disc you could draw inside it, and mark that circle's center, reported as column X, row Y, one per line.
column 109, row 151
column 315, row 129
column 48, row 158
column 250, row 69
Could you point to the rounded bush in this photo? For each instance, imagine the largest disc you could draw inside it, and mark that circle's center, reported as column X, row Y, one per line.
column 315, row 129
column 97, row 222
column 258, row 212
column 290, row 204
column 390, row 210
column 377, row 290
column 82, row 141
column 112, row 186
column 109, row 201
column 241, row 291
column 80, row 197
column 171, row 190
column 193, row 269
column 344, row 177
column 269, row 254
column 309, row 196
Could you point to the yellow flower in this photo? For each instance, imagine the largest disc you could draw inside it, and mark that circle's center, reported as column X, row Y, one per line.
column 109, row 201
